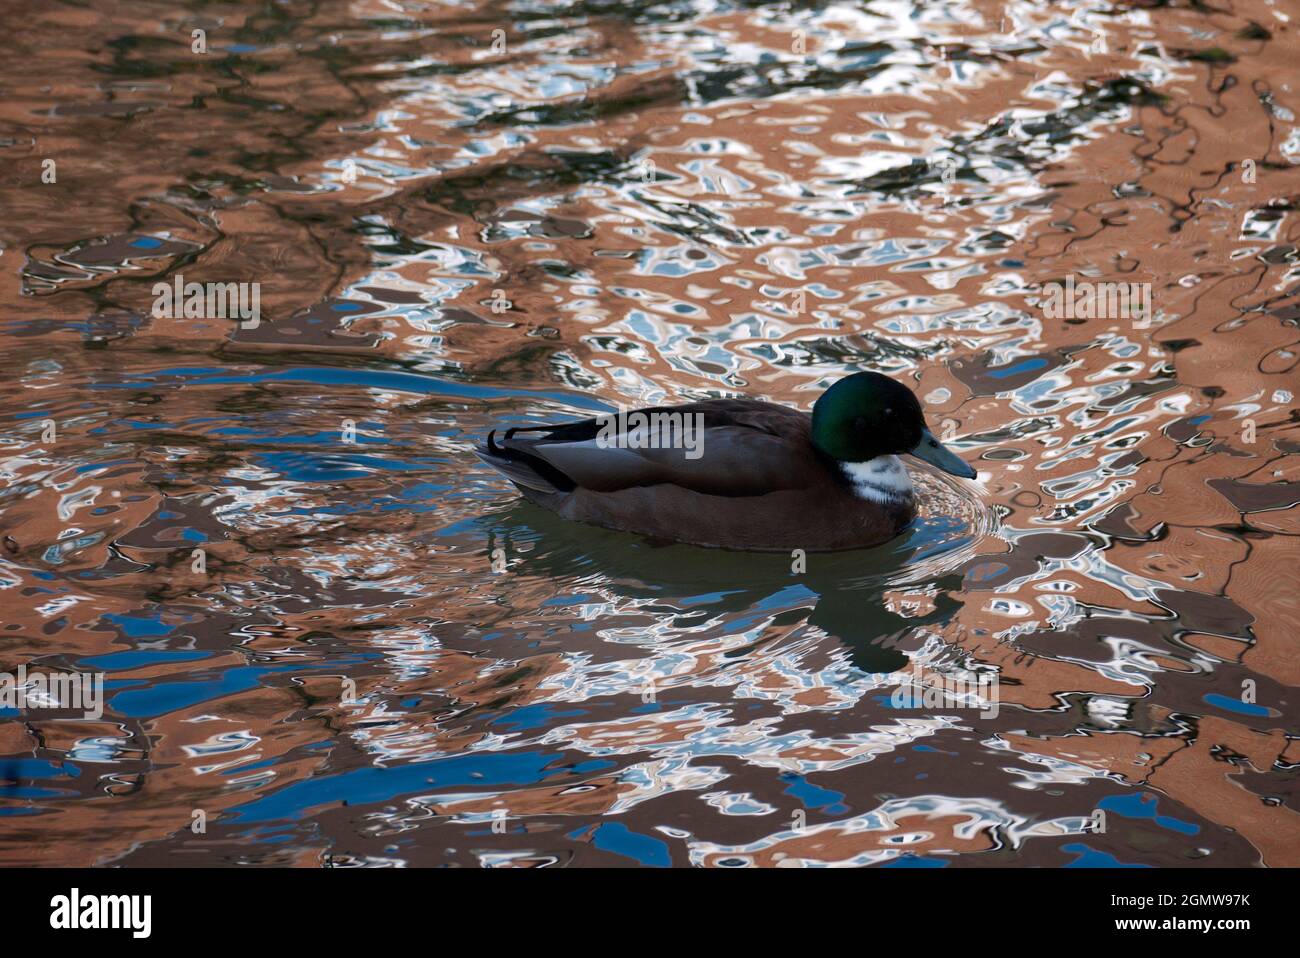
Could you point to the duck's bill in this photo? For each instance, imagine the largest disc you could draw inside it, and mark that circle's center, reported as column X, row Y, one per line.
column 934, row 452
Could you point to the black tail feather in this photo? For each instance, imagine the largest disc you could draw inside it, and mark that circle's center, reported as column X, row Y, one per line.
column 522, row 467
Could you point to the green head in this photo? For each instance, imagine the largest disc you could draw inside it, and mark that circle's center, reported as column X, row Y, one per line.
column 868, row 415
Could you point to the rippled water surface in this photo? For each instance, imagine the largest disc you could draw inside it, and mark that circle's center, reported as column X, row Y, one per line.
column 466, row 213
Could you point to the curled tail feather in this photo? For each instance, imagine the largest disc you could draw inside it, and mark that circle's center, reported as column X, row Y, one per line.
column 520, row 466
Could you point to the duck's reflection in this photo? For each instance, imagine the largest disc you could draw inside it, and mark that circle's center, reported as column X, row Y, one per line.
column 846, row 590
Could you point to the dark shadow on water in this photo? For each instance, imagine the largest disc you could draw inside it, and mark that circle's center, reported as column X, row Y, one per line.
column 846, row 590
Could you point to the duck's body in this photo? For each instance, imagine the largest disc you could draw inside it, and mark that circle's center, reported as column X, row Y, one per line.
column 752, row 476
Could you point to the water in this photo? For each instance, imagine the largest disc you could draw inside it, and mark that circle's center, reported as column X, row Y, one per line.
column 384, row 657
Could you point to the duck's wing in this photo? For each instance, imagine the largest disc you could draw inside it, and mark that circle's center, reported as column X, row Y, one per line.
column 730, row 447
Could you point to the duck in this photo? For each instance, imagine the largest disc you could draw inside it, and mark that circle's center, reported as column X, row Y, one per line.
column 739, row 474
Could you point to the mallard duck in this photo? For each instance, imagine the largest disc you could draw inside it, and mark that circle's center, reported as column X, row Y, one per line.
column 736, row 473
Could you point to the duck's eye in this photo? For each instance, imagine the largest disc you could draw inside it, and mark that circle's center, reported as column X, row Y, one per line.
column 860, row 424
